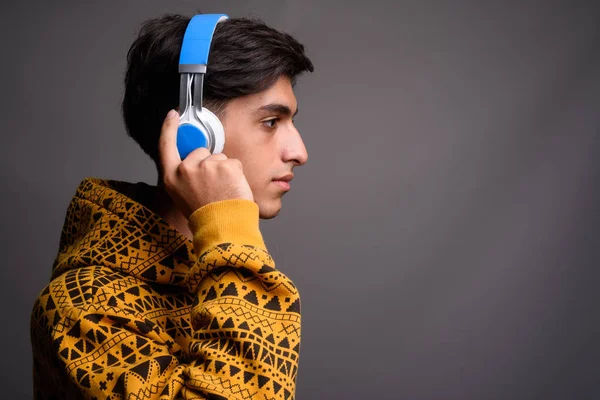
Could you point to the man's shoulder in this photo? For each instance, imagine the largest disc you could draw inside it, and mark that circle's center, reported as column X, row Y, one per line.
column 101, row 288
column 90, row 286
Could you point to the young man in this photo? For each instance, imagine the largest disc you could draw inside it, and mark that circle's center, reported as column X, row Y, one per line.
column 169, row 292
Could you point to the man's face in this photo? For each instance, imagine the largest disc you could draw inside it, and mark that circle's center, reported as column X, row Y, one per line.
column 259, row 131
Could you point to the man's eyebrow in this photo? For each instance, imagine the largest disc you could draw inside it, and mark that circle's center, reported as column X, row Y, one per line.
column 278, row 109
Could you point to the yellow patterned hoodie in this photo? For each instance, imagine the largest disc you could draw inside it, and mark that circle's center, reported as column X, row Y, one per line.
column 135, row 310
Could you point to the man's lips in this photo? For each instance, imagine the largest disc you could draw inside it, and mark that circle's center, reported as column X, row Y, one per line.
column 284, row 181
column 283, row 185
column 285, row 178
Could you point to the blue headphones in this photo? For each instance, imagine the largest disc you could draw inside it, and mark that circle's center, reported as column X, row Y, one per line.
column 198, row 126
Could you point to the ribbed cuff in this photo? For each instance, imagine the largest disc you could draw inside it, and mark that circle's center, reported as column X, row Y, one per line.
column 226, row 221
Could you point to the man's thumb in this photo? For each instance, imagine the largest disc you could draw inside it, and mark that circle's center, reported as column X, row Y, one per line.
column 167, row 144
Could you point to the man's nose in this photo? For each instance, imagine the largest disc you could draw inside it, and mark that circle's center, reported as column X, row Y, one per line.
column 296, row 150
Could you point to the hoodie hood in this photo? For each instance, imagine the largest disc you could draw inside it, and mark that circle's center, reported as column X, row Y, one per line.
column 107, row 225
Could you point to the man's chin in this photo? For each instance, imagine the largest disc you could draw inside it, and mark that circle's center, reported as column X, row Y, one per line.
column 269, row 211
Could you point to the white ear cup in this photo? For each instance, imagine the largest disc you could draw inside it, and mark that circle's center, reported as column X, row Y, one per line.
column 213, row 123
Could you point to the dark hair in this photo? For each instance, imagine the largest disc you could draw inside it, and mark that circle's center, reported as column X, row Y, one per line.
column 246, row 57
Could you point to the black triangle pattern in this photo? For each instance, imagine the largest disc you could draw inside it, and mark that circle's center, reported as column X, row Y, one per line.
column 130, row 306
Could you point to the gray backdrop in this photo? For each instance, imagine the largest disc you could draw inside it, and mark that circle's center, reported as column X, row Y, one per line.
column 444, row 232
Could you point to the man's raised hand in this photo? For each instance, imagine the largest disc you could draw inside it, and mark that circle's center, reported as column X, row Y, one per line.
column 201, row 178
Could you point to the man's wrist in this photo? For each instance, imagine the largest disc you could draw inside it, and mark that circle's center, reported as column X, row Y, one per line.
column 227, row 221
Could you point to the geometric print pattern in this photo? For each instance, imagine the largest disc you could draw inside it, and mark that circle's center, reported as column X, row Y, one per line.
column 132, row 312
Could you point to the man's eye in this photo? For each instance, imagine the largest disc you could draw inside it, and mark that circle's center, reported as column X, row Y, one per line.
column 270, row 123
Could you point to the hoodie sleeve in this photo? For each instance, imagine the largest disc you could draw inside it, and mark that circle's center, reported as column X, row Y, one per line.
column 247, row 315
column 245, row 325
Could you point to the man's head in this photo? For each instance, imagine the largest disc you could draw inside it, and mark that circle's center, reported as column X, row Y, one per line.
column 248, row 85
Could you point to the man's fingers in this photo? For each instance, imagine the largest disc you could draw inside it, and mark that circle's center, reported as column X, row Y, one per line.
column 167, row 144
column 197, row 156
column 219, row 156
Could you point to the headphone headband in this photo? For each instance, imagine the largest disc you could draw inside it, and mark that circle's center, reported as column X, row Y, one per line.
column 198, row 127
column 196, row 43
